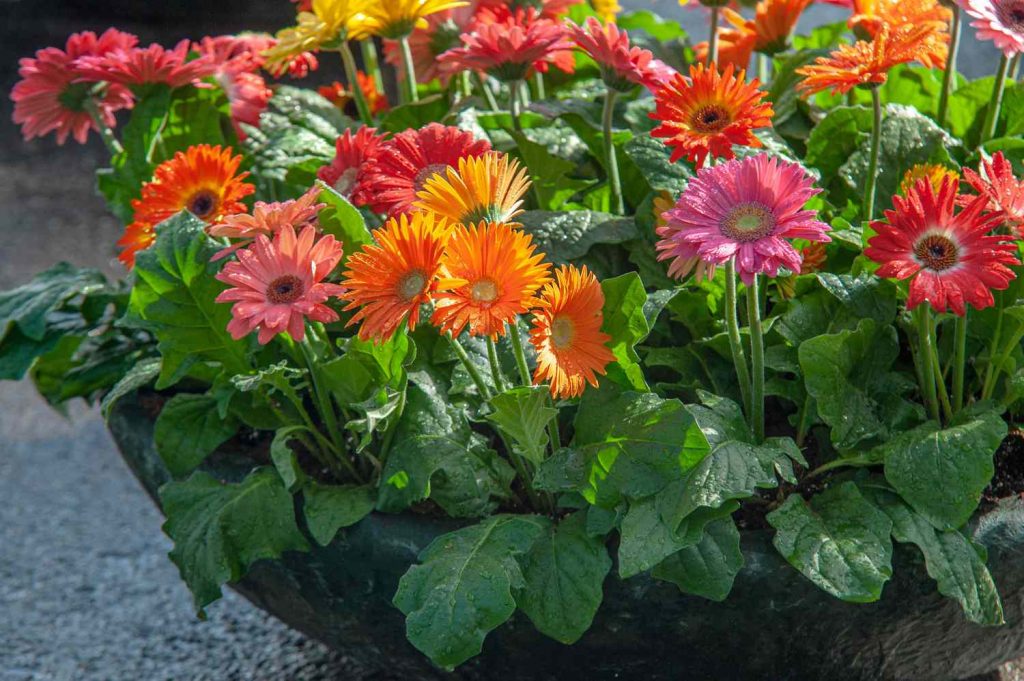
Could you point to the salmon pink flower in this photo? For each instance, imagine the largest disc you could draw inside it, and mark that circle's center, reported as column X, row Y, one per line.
column 236, row 67
column 747, row 209
column 1001, row 21
column 144, row 65
column 353, row 154
column 276, row 285
column 1005, row 193
column 622, row 66
column 950, row 258
column 267, row 219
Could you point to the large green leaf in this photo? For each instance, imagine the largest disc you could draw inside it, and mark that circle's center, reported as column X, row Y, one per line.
column 647, row 540
column 706, row 569
column 463, row 587
column 343, row 220
column 626, row 323
column 27, row 307
column 942, row 473
column 564, row 573
column 651, row 156
column 566, row 236
column 142, row 374
column 840, row 133
column 553, row 184
column 188, row 430
column 328, row 508
column 523, row 414
column 839, row 541
column 220, row 529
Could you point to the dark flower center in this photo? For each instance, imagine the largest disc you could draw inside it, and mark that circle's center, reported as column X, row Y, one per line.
column 202, row 203
column 936, row 252
column 285, row 289
column 1011, row 13
column 428, row 172
column 711, row 118
column 748, row 222
column 74, row 96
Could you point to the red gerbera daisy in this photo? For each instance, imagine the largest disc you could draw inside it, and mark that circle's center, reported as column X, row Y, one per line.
column 52, row 94
column 622, row 66
column 1005, row 193
column 403, row 164
column 352, row 155
column 142, row 65
column 950, row 258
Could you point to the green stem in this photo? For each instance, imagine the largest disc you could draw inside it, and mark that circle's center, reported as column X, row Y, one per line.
column 924, row 339
column 609, row 152
column 1004, row 357
column 732, row 324
column 947, row 408
column 538, row 85
column 553, row 437
column 517, row 350
column 713, row 38
column 465, row 85
column 348, row 61
column 756, row 360
column 988, row 386
column 515, row 103
column 855, row 462
column 992, row 116
column 410, row 70
column 474, row 373
column 1015, row 67
column 949, row 77
column 876, row 145
column 492, row 103
column 323, row 399
column 959, row 362
column 389, row 435
column 372, row 62
column 496, row 374
column 763, row 62
column 113, row 146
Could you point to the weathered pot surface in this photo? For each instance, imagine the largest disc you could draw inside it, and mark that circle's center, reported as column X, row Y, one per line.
column 774, row 625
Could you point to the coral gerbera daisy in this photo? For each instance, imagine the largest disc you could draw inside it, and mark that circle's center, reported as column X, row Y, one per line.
column 934, row 172
column 403, row 164
column 235, row 70
column 54, row 96
column 390, row 279
column 710, row 112
column 426, row 44
column 490, row 274
column 145, row 65
column 394, row 19
column 1005, row 193
column 745, row 209
column 622, row 66
column 487, row 188
column 1001, row 21
column 949, row 257
column 352, row 155
column 267, row 219
column 277, row 285
column 866, row 63
column 567, row 334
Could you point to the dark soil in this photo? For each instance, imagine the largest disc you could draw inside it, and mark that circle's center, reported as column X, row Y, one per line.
column 1008, row 480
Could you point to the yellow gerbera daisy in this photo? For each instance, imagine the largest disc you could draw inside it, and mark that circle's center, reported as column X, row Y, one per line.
column 395, row 19
column 606, row 10
column 935, row 173
column 330, row 22
column 487, row 188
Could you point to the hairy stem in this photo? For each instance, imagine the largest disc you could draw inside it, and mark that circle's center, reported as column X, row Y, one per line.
column 474, row 373
column 756, row 359
column 732, row 324
column 949, row 77
column 609, row 152
column 876, row 145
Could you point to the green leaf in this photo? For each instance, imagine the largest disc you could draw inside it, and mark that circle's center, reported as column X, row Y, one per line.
column 834, row 139
column 343, row 220
column 328, row 508
column 220, row 529
column 174, row 298
column 523, row 414
column 949, row 558
column 626, row 323
column 285, row 460
column 462, row 588
column 551, row 176
column 567, row 236
column 564, row 574
column 651, row 157
column 415, row 115
column 839, row 541
column 706, row 569
column 142, row 374
column 27, row 307
column 942, row 473
column 645, row 21
column 188, row 430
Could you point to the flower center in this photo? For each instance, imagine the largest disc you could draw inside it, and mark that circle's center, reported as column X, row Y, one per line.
column 411, row 285
column 427, row 173
column 748, row 222
column 346, row 182
column 202, row 203
column 1011, row 13
column 710, row 119
column 562, row 332
column 936, row 252
column 74, row 96
column 285, row 289
column 484, row 291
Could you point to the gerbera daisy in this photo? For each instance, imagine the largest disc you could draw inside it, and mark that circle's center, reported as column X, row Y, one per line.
column 865, row 63
column 511, row 50
column 487, row 188
column 1005, row 193
column 736, row 41
column 606, row 10
column 680, row 267
column 352, row 155
column 236, row 64
column 277, row 285
column 745, row 209
column 145, row 65
column 1001, row 21
column 768, row 32
column 54, row 96
column 328, row 22
column 567, row 334
column 403, row 164
column 428, row 43
column 949, row 257
column 138, row 236
column 869, row 16
column 934, row 172
column 622, row 67
column 546, row 9
column 709, row 112
column 391, row 278
column 490, row 274
column 394, row 19
column 267, row 219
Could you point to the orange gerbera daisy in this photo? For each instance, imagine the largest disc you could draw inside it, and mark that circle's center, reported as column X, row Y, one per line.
column 710, row 112
column 865, row 63
column 567, row 334
column 935, row 174
column 768, row 32
column 869, row 16
column 390, row 279
column 488, row 188
column 735, row 44
column 490, row 274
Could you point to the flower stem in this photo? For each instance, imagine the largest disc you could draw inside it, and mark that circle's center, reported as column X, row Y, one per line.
column 713, row 38
column 756, row 359
column 465, row 85
column 988, row 386
column 763, row 63
column 553, row 437
column 949, row 78
column 496, row 374
column 609, row 152
column 372, row 62
column 323, row 398
column 348, row 61
column 732, row 324
column 410, row 70
column 492, row 103
column 924, row 339
column 538, row 85
column 517, row 350
column 389, row 436
column 474, row 373
column 515, row 92
column 876, row 145
column 113, row 146
column 947, row 408
column 959, row 362
column 992, row 117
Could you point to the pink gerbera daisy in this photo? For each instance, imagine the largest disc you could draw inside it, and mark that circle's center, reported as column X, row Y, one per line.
column 1005, row 193
column 277, row 285
column 950, row 258
column 267, row 219
column 353, row 153
column 546, row 9
column 622, row 66
column 403, row 164
column 142, row 65
column 52, row 94
column 745, row 209
column 1001, row 21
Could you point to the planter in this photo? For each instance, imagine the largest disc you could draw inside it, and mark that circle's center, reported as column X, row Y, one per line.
column 775, row 624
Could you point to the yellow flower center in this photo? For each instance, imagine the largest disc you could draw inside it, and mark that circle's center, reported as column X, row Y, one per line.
column 562, row 332
column 412, row 285
column 202, row 204
column 285, row 289
column 936, row 252
column 484, row 291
